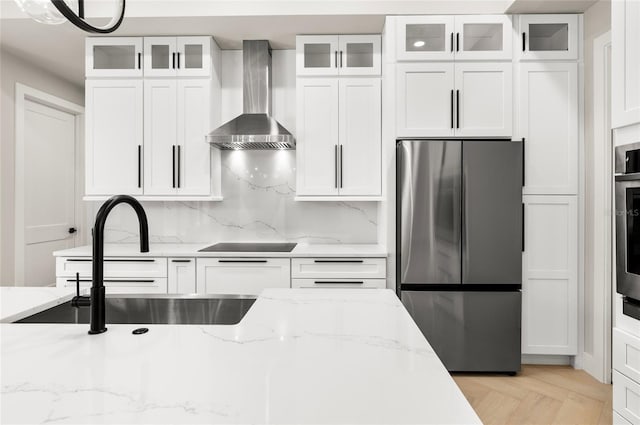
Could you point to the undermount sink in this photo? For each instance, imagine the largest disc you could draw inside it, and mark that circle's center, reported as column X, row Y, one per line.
column 155, row 310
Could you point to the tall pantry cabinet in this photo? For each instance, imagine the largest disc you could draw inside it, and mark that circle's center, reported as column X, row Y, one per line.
column 150, row 102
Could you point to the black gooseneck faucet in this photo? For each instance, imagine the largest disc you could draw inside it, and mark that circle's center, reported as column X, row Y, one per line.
column 97, row 299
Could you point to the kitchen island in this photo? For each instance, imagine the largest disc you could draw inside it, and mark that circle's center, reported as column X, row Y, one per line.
column 299, row 356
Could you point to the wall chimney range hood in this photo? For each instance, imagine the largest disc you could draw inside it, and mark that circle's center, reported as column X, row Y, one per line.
column 255, row 128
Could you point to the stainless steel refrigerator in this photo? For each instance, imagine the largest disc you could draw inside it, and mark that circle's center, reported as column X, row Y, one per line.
column 459, row 248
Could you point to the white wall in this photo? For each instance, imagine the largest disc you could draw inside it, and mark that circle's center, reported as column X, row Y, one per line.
column 15, row 70
column 258, row 187
column 597, row 21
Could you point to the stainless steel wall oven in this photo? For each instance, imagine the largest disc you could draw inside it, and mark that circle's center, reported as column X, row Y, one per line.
column 627, row 199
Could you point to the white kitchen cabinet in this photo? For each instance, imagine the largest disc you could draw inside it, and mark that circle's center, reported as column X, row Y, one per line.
column 339, row 283
column 177, row 56
column 625, row 52
column 181, row 276
column 242, row 276
column 484, row 99
column 544, row 37
column 339, row 137
column 339, row 268
column 332, row 55
column 548, row 121
column 443, row 99
column 460, row 37
column 114, row 136
column 425, row 99
column 113, row 57
column 360, row 130
column 318, row 136
column 122, row 275
column 550, row 275
column 619, row 420
column 626, row 397
column 177, row 115
column 483, row 37
column 422, row 38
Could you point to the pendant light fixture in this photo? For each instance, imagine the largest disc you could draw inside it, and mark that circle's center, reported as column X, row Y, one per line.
column 58, row 11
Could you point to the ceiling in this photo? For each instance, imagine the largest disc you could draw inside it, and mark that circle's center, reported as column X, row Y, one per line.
column 60, row 48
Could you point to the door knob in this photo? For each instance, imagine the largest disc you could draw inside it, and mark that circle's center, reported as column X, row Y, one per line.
column 72, row 230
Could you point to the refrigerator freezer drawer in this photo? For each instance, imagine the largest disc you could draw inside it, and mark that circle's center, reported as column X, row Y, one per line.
column 470, row 331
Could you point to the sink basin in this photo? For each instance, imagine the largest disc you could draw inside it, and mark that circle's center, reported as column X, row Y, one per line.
column 155, row 310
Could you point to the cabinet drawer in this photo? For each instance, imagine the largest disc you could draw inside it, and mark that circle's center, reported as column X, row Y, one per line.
column 122, row 285
column 241, row 276
column 626, row 397
column 339, row 283
column 330, row 268
column 113, row 267
column 626, row 354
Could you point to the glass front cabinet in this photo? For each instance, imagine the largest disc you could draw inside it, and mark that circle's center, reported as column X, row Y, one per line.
column 113, row 57
column 177, row 56
column 323, row 55
column 548, row 37
column 461, row 37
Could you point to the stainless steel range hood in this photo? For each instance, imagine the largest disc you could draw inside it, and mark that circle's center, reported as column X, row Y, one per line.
column 255, row 128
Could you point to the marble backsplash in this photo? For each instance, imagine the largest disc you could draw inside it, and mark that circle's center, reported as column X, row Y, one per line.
column 259, row 190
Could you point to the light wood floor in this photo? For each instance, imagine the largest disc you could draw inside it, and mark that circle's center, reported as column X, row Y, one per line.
column 538, row 395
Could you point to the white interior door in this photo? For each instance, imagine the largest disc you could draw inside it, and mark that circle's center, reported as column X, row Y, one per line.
column 49, row 190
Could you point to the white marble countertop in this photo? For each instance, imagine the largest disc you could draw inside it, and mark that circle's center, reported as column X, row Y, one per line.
column 191, row 250
column 19, row 302
column 301, row 356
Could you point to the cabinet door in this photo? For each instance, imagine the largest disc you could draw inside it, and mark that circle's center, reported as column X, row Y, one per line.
column 318, row 141
column 159, row 56
column 425, row 97
column 548, row 105
column 360, row 136
column 193, row 56
column 425, row 38
column 114, row 123
column 193, row 155
column 484, row 99
column 113, row 57
column 242, row 276
column 317, row 55
column 160, row 114
column 182, row 276
column 483, row 37
column 548, row 37
column 625, row 97
column 359, row 55
column 550, row 275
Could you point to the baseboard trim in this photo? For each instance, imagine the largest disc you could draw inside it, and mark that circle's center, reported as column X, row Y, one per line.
column 546, row 359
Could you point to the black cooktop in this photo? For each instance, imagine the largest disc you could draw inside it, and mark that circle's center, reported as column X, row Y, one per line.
column 250, row 247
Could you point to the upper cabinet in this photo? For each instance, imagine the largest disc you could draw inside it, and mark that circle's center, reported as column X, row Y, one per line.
column 625, row 52
column 177, row 56
column 145, row 136
column 331, row 55
column 445, row 99
column 471, row 37
column 113, row 57
column 548, row 37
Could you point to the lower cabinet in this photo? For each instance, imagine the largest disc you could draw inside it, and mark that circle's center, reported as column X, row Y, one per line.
column 181, row 276
column 137, row 275
column 550, row 275
column 626, row 377
column 339, row 283
column 242, row 276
